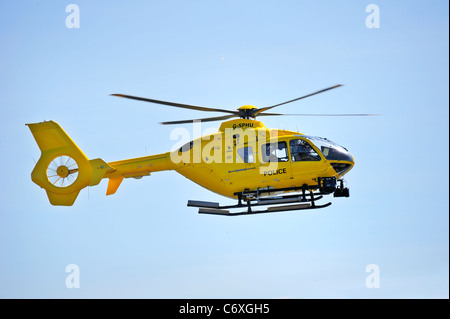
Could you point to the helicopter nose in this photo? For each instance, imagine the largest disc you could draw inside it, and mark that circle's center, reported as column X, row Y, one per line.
column 353, row 161
column 345, row 164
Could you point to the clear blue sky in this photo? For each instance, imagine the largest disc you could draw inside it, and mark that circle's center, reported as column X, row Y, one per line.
column 144, row 242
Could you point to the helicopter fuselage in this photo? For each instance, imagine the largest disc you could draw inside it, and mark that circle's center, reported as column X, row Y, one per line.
column 243, row 155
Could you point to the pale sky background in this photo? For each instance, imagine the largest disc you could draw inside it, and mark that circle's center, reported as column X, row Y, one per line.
column 144, row 242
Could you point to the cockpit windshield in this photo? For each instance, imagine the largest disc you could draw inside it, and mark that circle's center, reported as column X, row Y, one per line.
column 330, row 150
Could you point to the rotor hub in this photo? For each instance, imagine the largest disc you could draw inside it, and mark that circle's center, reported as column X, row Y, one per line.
column 62, row 171
column 247, row 111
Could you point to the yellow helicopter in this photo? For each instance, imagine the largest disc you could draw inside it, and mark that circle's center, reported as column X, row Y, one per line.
column 278, row 169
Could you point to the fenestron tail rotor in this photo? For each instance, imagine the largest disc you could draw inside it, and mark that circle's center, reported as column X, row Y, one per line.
column 62, row 171
column 244, row 112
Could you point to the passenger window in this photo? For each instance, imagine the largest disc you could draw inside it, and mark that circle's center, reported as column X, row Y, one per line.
column 246, row 154
column 302, row 151
column 186, row 147
column 275, row 152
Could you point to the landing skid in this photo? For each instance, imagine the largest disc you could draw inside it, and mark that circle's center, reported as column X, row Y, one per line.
column 272, row 209
column 250, row 199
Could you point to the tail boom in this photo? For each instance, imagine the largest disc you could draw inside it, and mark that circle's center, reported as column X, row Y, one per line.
column 136, row 168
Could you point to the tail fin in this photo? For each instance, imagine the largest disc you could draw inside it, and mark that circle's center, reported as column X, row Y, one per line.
column 63, row 169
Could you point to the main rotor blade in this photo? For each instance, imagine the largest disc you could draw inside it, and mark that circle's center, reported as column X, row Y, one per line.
column 263, row 109
column 277, row 114
column 186, row 106
column 208, row 119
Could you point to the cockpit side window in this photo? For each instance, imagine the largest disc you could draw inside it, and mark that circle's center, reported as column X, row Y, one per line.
column 330, row 150
column 302, row 151
column 275, row 152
